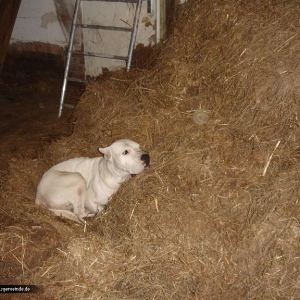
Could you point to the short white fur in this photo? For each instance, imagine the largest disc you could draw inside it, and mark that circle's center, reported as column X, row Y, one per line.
column 81, row 187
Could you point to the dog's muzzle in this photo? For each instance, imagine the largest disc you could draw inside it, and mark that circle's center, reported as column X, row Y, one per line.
column 146, row 160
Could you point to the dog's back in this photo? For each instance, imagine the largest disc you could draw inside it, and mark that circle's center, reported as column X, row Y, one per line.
column 87, row 167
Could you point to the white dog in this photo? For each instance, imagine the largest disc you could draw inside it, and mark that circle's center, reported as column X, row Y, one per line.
column 80, row 187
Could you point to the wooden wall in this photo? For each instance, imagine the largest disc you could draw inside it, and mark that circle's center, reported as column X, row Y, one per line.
column 8, row 13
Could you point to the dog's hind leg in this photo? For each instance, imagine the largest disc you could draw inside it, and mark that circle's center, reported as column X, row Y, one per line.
column 64, row 193
column 68, row 214
column 79, row 203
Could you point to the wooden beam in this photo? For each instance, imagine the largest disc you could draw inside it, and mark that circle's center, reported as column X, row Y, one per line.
column 8, row 14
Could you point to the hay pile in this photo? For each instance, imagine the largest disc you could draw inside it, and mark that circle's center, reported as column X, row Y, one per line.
column 217, row 216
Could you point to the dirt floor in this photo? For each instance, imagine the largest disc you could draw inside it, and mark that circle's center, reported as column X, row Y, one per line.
column 28, row 122
column 28, row 115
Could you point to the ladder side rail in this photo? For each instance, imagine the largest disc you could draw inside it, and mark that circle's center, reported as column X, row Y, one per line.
column 69, row 54
column 134, row 33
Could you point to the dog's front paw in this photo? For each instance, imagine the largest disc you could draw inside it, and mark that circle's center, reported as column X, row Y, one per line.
column 99, row 208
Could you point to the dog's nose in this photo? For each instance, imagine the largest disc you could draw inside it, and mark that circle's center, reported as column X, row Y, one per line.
column 146, row 159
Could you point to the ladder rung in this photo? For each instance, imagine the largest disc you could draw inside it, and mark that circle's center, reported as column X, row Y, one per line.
column 125, row 1
column 127, row 58
column 77, row 80
column 104, row 27
column 69, row 105
column 101, row 55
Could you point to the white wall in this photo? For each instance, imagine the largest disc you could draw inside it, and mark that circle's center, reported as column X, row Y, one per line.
column 38, row 21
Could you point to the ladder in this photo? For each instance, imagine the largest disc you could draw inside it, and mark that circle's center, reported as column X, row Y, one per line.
column 70, row 50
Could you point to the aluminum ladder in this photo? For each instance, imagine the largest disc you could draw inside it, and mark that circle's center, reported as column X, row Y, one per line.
column 75, row 25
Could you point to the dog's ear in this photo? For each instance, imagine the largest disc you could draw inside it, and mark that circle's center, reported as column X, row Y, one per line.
column 106, row 152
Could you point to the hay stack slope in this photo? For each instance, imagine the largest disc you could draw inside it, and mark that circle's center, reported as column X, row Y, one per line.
column 217, row 216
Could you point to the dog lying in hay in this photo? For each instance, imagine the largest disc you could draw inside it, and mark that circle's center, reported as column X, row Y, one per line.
column 80, row 187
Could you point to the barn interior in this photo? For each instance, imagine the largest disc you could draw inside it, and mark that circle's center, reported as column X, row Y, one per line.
column 214, row 100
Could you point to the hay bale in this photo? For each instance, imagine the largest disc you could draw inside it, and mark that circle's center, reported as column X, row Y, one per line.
column 216, row 217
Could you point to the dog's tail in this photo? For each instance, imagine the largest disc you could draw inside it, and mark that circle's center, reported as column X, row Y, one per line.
column 40, row 200
column 67, row 214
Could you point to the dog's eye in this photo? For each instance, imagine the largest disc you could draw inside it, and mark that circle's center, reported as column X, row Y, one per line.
column 125, row 152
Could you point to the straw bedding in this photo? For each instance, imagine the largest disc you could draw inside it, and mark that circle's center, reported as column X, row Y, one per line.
column 217, row 215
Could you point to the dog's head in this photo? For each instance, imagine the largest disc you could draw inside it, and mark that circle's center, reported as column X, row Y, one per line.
column 127, row 156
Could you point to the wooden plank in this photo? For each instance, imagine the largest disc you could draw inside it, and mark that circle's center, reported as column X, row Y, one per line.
column 8, row 14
